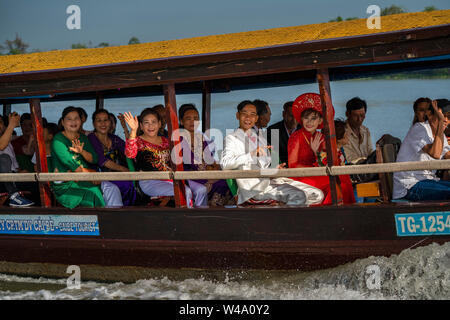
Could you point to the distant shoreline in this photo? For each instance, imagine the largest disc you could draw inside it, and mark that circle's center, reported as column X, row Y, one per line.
column 427, row 74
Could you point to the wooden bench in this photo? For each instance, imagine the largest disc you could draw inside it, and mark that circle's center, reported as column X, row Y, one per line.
column 381, row 188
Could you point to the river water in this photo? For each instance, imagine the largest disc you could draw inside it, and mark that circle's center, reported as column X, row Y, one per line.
column 419, row 273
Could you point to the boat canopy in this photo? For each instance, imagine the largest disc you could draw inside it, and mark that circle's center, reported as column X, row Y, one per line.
column 273, row 57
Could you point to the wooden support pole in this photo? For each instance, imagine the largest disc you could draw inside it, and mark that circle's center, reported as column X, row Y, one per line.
column 41, row 155
column 330, row 133
column 206, row 107
column 6, row 109
column 174, row 139
column 99, row 101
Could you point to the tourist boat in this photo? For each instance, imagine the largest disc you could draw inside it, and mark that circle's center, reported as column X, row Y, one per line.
column 43, row 241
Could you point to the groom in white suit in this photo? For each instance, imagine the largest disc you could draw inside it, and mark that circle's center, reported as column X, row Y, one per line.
column 245, row 150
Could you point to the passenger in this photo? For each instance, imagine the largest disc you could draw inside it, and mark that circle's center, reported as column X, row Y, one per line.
column 264, row 114
column 198, row 155
column 24, row 144
column 245, row 150
column 110, row 150
column 420, row 108
column 424, row 141
column 341, row 140
column 283, row 130
column 72, row 152
column 162, row 115
column 8, row 162
column 50, row 130
column 359, row 146
column 444, row 106
column 306, row 147
column 113, row 120
column 84, row 116
column 151, row 153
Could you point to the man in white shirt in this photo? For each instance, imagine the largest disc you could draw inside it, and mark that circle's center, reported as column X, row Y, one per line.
column 245, row 150
column 424, row 141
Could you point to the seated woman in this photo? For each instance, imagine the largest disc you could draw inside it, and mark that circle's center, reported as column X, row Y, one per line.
column 424, row 141
column 72, row 152
column 306, row 147
column 151, row 153
column 199, row 155
column 110, row 150
column 245, row 150
column 341, row 140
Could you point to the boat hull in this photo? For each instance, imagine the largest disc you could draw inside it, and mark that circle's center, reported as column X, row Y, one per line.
column 227, row 238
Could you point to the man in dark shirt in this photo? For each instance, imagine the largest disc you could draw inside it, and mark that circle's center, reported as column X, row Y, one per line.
column 283, row 131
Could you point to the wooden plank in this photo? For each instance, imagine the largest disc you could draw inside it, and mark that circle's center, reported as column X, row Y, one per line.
column 174, row 139
column 206, row 107
column 99, row 101
column 19, row 86
column 6, row 109
column 368, row 189
column 330, row 133
column 41, row 155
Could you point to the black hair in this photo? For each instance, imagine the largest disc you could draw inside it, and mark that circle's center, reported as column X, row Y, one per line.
column 97, row 112
column 113, row 117
column 82, row 112
column 339, row 127
column 416, row 104
column 355, row 103
column 52, row 128
column 261, row 106
column 25, row 116
column 65, row 112
column 442, row 103
column 148, row 111
column 184, row 108
column 287, row 105
column 242, row 104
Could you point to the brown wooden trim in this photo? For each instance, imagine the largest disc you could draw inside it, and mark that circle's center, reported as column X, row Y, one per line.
column 206, row 106
column 16, row 86
column 6, row 109
column 41, row 155
column 99, row 101
column 361, row 41
column 174, row 138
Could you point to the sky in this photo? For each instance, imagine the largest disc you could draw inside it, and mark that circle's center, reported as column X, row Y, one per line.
column 42, row 23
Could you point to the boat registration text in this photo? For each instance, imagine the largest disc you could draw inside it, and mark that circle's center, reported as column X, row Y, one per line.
column 423, row 224
column 81, row 225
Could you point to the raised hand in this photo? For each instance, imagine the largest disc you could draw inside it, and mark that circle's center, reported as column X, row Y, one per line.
column 437, row 111
column 132, row 122
column 77, row 146
column 14, row 119
column 316, row 142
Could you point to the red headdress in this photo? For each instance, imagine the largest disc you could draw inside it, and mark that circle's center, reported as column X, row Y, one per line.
column 307, row 101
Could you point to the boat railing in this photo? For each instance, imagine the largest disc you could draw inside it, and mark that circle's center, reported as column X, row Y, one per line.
column 228, row 174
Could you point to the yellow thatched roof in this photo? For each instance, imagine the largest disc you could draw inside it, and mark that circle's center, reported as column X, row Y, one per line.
column 216, row 43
